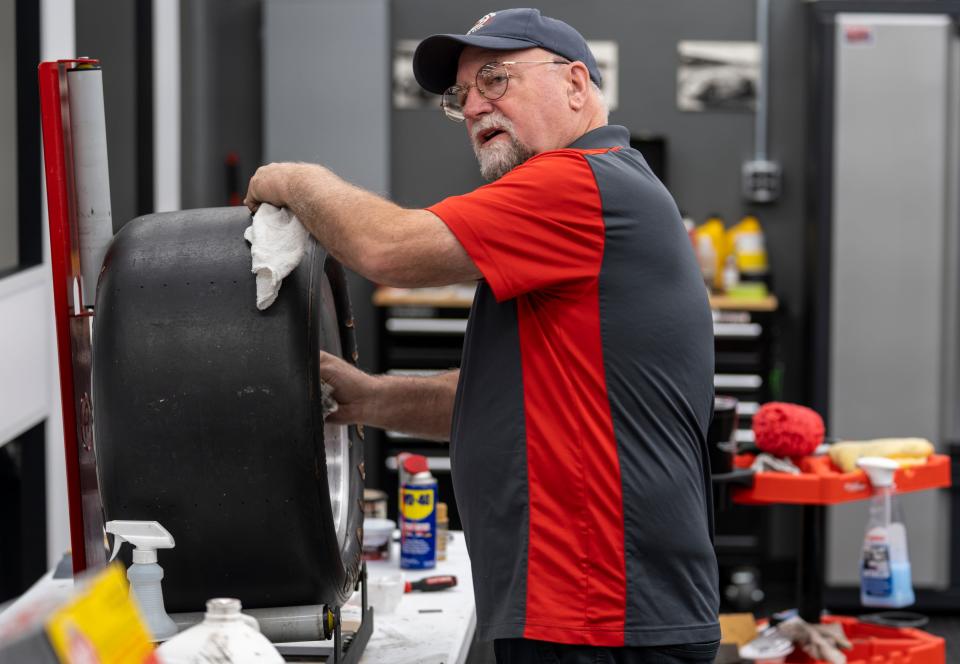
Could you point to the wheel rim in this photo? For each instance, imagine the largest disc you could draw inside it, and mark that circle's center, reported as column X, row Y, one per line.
column 336, row 437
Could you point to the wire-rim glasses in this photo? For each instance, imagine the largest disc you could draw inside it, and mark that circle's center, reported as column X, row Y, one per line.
column 491, row 82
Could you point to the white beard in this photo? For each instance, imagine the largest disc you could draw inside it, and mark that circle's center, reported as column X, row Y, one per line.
column 500, row 157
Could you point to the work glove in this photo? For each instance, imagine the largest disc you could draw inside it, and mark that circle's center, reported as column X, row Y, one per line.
column 277, row 243
column 767, row 462
column 821, row 642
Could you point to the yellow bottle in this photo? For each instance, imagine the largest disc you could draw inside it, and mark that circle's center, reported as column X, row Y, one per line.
column 713, row 229
column 748, row 246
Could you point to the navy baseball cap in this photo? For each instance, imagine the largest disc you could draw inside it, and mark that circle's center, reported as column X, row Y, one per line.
column 437, row 57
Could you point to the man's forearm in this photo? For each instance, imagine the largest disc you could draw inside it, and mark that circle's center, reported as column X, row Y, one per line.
column 341, row 216
column 372, row 236
column 418, row 405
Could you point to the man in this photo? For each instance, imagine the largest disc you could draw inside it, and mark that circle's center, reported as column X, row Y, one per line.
column 577, row 420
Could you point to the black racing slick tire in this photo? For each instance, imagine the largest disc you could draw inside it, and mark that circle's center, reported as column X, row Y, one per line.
column 208, row 419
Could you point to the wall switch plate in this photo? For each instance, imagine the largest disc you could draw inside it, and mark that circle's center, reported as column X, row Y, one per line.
column 761, row 181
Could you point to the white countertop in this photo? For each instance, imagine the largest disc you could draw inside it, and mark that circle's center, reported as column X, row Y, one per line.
column 427, row 627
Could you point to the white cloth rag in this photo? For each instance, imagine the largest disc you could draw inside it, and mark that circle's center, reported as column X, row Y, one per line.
column 328, row 404
column 277, row 243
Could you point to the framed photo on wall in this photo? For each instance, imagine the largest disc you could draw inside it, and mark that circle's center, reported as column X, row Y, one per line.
column 717, row 75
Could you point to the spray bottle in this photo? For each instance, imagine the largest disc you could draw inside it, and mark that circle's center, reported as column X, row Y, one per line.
column 885, row 568
column 145, row 574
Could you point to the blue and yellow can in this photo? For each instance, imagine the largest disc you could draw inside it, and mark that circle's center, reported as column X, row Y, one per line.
column 418, row 532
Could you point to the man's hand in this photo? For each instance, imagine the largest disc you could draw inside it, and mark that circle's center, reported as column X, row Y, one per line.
column 368, row 234
column 353, row 390
column 271, row 184
column 418, row 405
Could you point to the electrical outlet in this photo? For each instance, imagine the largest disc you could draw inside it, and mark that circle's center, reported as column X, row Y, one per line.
column 761, row 181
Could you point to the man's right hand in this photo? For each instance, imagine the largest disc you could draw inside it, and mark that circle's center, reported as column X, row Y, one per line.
column 418, row 405
column 353, row 390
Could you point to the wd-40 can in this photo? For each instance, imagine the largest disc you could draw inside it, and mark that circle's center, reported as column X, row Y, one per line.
column 418, row 531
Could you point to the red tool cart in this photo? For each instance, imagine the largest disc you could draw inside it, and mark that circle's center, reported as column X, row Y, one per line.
column 820, row 484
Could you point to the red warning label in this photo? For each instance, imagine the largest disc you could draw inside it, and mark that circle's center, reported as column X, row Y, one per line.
column 858, row 34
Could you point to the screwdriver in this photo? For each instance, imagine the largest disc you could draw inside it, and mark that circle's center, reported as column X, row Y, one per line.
column 431, row 583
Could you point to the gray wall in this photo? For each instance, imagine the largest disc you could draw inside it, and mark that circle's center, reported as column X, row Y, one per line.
column 9, row 222
column 106, row 31
column 431, row 158
column 221, row 79
column 326, row 101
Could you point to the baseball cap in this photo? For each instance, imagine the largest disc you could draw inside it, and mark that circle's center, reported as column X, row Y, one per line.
column 436, row 59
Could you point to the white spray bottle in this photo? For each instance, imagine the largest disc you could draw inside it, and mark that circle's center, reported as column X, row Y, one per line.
column 145, row 574
column 885, row 566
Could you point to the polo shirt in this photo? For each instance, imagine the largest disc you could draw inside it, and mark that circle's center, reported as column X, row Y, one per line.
column 578, row 446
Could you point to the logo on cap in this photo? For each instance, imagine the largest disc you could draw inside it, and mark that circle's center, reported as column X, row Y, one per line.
column 482, row 22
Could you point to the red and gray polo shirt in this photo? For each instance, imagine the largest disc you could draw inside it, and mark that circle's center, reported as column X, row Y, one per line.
column 578, row 446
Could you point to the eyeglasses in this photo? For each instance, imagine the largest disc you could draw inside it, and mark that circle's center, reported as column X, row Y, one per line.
column 491, row 82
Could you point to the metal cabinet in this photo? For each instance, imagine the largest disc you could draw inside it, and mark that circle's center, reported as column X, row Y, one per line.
column 756, row 546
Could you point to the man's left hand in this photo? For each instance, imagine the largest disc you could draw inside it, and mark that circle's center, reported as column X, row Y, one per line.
column 271, row 184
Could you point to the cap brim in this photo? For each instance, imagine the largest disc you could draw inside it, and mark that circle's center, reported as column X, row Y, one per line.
column 437, row 57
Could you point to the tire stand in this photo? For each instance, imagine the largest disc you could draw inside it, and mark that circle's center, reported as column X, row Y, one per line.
column 78, row 200
column 819, row 484
column 347, row 649
column 287, row 626
column 75, row 169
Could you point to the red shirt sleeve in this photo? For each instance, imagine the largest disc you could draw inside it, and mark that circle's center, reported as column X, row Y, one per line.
column 538, row 227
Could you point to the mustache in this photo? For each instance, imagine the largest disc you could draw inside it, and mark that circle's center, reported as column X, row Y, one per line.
column 488, row 122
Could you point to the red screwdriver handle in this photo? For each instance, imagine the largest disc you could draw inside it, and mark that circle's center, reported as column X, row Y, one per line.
column 432, row 583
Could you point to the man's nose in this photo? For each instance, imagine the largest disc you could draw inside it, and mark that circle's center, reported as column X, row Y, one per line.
column 476, row 104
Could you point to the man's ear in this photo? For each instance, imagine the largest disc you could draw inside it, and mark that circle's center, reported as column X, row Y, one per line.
column 578, row 88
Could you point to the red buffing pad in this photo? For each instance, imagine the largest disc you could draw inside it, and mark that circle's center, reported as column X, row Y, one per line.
column 786, row 429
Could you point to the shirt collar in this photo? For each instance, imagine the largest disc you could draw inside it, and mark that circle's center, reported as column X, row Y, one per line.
column 607, row 136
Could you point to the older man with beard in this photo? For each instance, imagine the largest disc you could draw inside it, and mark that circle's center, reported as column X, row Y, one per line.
column 577, row 422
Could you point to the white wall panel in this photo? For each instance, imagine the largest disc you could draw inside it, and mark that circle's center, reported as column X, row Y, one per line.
column 24, row 367
column 890, row 224
column 166, row 105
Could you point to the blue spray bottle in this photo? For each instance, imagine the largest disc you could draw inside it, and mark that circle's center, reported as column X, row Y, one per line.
column 884, row 567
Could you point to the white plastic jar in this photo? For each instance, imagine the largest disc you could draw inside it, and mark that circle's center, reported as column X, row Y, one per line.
column 225, row 635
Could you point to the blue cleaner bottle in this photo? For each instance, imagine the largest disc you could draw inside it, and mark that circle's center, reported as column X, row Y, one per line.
column 885, row 567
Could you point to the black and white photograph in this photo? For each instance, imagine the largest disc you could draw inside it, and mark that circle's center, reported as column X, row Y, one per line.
column 717, row 76
column 407, row 93
column 606, row 53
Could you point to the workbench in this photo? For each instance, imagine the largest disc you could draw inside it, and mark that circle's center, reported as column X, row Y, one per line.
column 427, row 628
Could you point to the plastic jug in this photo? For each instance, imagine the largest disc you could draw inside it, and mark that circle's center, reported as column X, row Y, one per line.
column 226, row 635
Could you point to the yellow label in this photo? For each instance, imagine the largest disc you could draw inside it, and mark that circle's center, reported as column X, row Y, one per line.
column 417, row 503
column 102, row 624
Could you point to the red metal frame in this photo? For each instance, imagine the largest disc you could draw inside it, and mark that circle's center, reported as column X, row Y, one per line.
column 65, row 265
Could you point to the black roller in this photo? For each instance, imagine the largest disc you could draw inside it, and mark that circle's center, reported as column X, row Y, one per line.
column 207, row 414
